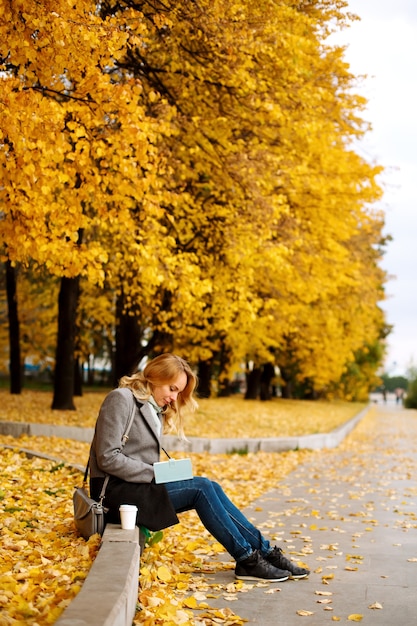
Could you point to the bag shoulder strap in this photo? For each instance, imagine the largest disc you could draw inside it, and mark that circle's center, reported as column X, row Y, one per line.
column 130, row 422
column 103, row 489
column 125, row 437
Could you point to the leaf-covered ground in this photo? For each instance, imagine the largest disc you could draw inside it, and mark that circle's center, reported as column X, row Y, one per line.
column 36, row 529
column 215, row 417
column 44, row 562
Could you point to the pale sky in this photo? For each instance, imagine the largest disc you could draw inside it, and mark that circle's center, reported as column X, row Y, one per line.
column 383, row 45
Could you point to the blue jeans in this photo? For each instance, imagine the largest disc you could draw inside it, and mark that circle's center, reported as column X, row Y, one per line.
column 219, row 515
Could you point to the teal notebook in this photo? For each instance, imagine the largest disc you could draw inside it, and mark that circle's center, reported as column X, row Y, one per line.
column 174, row 469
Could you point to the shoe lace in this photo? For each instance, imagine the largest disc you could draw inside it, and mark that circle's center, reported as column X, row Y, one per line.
column 284, row 563
column 270, row 567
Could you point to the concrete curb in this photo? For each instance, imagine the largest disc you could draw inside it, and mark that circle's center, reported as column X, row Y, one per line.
column 16, row 429
column 109, row 594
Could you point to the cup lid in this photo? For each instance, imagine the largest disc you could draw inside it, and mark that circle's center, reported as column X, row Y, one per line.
column 128, row 507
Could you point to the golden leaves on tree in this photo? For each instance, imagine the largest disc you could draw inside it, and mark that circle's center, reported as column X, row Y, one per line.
column 216, row 182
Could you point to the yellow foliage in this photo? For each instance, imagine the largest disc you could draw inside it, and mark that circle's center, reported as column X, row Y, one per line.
column 57, row 115
column 213, row 184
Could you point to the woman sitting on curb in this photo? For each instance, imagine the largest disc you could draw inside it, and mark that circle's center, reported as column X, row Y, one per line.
column 159, row 393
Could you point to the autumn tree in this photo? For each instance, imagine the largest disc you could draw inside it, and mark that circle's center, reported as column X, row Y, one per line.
column 262, row 175
column 76, row 149
column 205, row 152
column 205, row 60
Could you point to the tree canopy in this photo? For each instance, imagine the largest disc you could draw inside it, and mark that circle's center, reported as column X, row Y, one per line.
column 195, row 165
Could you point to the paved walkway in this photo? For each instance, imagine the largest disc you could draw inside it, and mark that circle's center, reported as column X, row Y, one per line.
column 351, row 514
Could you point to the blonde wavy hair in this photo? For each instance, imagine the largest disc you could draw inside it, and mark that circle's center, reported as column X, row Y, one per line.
column 163, row 370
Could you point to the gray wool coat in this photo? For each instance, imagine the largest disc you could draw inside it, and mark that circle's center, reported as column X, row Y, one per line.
column 131, row 467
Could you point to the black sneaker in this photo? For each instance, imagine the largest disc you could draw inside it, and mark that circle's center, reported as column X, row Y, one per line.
column 256, row 567
column 277, row 559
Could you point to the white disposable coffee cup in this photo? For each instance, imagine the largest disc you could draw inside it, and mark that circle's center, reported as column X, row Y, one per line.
column 128, row 516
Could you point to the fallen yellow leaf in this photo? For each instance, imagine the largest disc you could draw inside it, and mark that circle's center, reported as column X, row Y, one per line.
column 164, row 573
column 190, row 602
column 375, row 605
column 304, row 613
column 325, row 601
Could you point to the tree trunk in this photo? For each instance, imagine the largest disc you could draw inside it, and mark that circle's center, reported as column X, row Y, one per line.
column 128, row 343
column 224, row 390
column 287, row 387
column 14, row 331
column 78, row 377
column 204, row 378
column 65, row 363
column 268, row 373
column 253, row 380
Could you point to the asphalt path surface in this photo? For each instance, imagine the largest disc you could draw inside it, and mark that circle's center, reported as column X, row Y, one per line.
column 350, row 514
